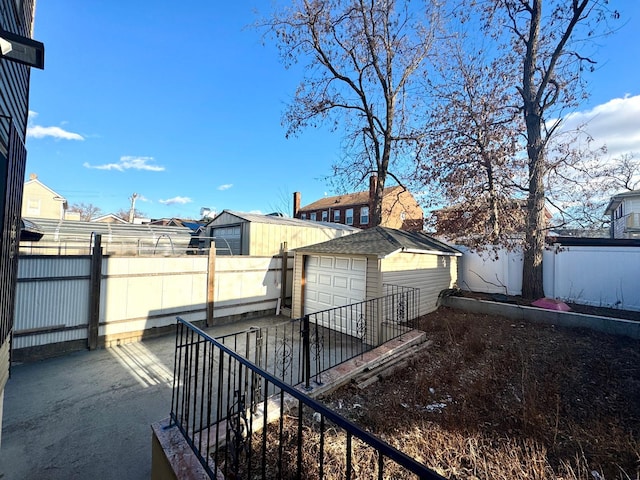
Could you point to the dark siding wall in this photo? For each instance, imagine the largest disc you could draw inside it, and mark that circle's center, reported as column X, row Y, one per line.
column 15, row 17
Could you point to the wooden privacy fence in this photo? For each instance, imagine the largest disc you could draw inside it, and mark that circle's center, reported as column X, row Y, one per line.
column 72, row 302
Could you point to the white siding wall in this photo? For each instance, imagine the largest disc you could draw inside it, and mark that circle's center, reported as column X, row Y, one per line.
column 430, row 273
column 266, row 239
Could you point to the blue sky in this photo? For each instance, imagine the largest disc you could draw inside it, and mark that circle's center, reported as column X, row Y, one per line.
column 183, row 106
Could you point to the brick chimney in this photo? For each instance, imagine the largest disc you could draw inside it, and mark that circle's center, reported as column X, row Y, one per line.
column 373, row 183
column 297, row 196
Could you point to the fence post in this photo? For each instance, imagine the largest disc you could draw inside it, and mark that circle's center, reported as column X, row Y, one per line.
column 211, row 282
column 306, row 351
column 283, row 289
column 94, row 292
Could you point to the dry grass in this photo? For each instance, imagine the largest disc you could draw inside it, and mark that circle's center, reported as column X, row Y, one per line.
column 493, row 399
column 489, row 400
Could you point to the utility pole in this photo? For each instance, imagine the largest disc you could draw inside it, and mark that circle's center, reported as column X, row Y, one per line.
column 132, row 210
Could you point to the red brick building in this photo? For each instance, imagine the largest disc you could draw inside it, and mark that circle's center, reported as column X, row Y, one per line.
column 399, row 208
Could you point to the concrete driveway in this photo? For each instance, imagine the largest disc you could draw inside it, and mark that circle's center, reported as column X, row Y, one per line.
column 87, row 415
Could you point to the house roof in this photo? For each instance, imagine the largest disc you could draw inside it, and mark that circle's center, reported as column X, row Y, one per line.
column 593, row 242
column 382, row 242
column 617, row 199
column 55, row 230
column 30, row 231
column 193, row 225
column 294, row 222
column 347, row 200
column 56, row 196
column 112, row 216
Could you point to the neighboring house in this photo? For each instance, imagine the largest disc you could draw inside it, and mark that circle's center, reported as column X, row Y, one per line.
column 578, row 233
column 236, row 233
column 198, row 229
column 464, row 223
column 352, row 269
column 624, row 210
column 16, row 20
column 196, row 226
column 39, row 201
column 399, row 209
column 109, row 218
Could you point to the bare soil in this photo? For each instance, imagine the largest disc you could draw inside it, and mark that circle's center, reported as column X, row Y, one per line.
column 493, row 399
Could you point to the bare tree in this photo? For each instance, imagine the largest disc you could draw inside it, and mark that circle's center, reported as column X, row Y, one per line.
column 365, row 67
column 469, row 154
column 282, row 203
column 543, row 48
column 87, row 211
column 623, row 173
column 581, row 199
column 124, row 214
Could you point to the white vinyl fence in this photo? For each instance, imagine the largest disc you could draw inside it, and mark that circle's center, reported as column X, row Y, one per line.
column 598, row 276
column 137, row 295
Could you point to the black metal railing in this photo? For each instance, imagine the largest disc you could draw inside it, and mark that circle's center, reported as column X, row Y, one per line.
column 243, row 422
column 301, row 350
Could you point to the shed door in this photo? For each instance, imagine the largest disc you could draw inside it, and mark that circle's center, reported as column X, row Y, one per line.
column 334, row 282
column 227, row 240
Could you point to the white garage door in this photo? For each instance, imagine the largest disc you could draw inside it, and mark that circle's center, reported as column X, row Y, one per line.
column 334, row 282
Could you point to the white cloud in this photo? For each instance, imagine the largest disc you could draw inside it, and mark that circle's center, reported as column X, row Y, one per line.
column 176, row 200
column 128, row 163
column 38, row 131
column 226, row 186
column 32, row 114
column 614, row 124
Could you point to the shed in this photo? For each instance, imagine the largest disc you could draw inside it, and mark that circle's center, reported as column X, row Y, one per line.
column 353, row 269
column 236, row 233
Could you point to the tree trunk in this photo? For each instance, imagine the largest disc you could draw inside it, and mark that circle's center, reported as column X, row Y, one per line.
column 532, row 279
column 376, row 208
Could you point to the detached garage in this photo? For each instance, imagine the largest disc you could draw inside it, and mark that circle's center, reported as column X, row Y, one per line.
column 236, row 233
column 354, row 268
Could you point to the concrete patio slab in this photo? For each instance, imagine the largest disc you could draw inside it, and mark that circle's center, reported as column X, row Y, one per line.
column 88, row 414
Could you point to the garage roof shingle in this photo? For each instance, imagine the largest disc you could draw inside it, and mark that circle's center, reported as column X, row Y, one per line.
column 381, row 241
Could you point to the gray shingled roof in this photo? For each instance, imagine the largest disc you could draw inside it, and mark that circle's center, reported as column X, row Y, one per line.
column 381, row 241
column 295, row 222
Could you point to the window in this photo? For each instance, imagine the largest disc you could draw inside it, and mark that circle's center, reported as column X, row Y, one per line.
column 33, row 207
column 303, row 216
column 364, row 215
column 336, row 216
column 349, row 216
column 312, row 217
column 325, row 216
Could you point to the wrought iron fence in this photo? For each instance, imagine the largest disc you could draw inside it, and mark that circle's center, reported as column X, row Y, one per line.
column 301, row 350
column 243, row 422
